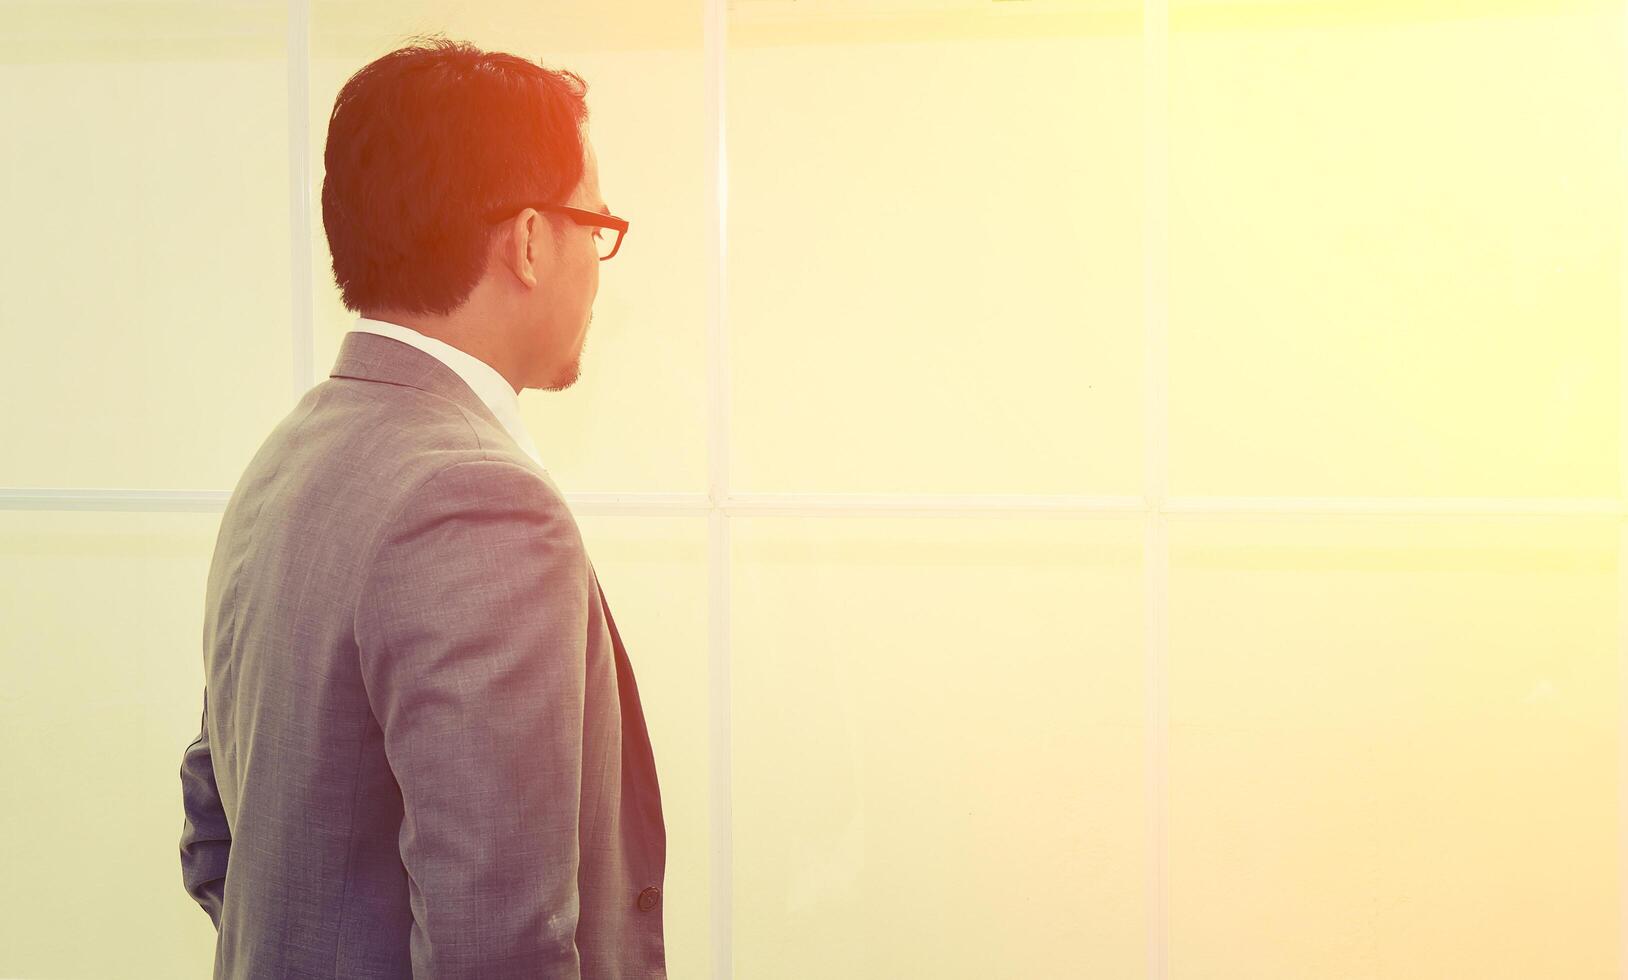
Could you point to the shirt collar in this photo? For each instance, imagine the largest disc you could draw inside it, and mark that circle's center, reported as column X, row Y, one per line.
column 483, row 379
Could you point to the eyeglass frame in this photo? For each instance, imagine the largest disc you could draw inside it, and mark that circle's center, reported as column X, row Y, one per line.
column 593, row 219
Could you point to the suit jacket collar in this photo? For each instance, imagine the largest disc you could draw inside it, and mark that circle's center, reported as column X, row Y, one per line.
column 370, row 357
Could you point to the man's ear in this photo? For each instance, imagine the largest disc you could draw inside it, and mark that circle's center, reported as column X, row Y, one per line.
column 516, row 249
column 537, row 246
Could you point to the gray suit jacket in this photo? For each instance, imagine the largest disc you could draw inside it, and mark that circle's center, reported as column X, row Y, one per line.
column 422, row 751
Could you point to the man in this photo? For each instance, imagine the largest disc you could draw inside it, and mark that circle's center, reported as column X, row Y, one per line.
column 422, row 751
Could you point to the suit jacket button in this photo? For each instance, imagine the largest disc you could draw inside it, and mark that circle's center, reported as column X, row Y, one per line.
column 647, row 898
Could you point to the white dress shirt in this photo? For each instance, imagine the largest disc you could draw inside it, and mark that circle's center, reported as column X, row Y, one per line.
column 482, row 378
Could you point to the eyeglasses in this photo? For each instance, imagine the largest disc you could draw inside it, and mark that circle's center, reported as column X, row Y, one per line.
column 608, row 243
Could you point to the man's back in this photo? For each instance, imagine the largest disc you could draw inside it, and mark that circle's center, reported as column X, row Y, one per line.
column 421, row 735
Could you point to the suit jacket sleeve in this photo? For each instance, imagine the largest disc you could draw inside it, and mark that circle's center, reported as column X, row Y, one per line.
column 472, row 632
column 206, row 841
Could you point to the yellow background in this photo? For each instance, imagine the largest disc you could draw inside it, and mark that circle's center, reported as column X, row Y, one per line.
column 1312, row 311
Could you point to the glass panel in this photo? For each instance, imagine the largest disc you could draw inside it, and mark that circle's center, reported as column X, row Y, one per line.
column 1399, row 281
column 144, row 261
column 939, row 748
column 101, row 690
column 1393, row 748
column 934, row 253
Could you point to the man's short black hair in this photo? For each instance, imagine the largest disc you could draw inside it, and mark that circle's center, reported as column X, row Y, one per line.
column 422, row 142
